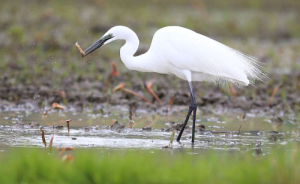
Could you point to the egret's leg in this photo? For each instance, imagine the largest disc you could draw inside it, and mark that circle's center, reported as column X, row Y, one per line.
column 194, row 123
column 194, row 104
column 192, row 107
column 185, row 122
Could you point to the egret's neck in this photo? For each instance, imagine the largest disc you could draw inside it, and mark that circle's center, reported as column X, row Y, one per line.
column 129, row 49
column 144, row 62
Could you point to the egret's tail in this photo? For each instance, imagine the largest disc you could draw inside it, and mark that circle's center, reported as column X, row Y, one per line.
column 253, row 68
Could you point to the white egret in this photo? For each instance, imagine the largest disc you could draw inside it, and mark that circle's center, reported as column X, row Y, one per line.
column 186, row 54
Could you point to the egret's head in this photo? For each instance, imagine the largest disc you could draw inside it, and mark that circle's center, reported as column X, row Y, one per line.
column 115, row 33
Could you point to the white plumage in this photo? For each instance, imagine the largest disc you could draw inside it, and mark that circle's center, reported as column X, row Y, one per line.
column 186, row 54
column 183, row 52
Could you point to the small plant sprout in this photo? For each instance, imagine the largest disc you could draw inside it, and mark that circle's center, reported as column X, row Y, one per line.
column 113, row 73
column 80, row 49
column 68, row 125
column 243, row 118
column 171, row 102
column 43, row 137
column 131, row 115
column 57, row 106
column 54, row 106
column 148, row 88
column 66, row 149
column 62, row 150
column 46, row 113
column 232, row 89
column 51, row 143
column 172, row 138
column 171, row 141
column 149, row 124
column 67, row 158
column 273, row 94
column 121, row 87
column 118, row 87
column 113, row 122
column 62, row 94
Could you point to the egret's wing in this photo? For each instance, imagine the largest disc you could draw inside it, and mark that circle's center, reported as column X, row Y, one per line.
column 189, row 50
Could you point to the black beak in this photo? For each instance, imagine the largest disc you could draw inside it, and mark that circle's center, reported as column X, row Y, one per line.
column 97, row 44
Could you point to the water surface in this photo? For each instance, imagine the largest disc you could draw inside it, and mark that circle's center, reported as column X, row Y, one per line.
column 92, row 130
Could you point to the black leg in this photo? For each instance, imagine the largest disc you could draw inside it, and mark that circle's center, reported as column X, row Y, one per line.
column 194, row 124
column 192, row 108
column 185, row 122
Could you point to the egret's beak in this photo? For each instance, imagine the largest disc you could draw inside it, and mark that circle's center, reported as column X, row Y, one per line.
column 97, row 44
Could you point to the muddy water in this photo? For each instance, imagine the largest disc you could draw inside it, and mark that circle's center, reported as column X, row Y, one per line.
column 93, row 130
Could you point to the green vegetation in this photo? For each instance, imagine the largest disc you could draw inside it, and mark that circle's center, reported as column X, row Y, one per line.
column 149, row 166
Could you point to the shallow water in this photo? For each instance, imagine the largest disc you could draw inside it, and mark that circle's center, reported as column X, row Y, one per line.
column 92, row 130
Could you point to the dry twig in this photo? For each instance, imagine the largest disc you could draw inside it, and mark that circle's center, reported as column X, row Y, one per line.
column 273, row 94
column 121, row 87
column 148, row 88
column 43, row 137
column 80, row 49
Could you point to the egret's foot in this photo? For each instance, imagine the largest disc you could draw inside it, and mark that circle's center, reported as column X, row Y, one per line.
column 178, row 140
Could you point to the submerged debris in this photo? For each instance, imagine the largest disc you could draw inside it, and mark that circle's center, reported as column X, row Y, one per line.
column 34, row 124
column 19, row 125
column 274, row 135
column 117, row 126
column 88, row 128
column 258, row 150
column 278, row 120
column 201, row 127
column 148, row 129
column 178, row 126
column 58, row 127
